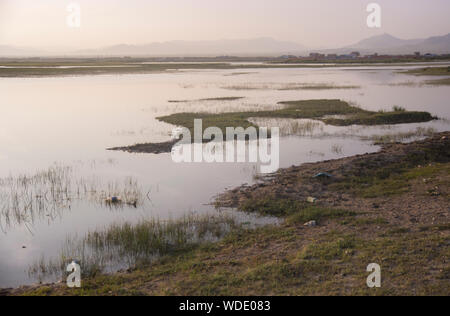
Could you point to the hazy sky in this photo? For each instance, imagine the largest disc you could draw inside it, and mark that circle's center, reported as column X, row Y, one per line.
column 323, row 23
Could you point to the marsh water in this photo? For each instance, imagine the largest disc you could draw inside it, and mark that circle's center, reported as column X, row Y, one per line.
column 67, row 123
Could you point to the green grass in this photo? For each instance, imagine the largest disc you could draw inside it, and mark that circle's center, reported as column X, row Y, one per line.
column 221, row 121
column 378, row 118
column 289, row 86
column 363, row 221
column 319, row 87
column 420, row 132
column 376, row 176
column 438, row 227
column 305, row 109
column 208, row 99
column 438, row 82
column 429, row 71
column 332, row 263
column 388, row 181
column 329, row 250
column 295, row 212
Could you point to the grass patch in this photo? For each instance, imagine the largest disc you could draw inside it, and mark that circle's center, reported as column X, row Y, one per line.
column 295, row 212
column 393, row 173
column 389, row 181
column 382, row 118
column 438, row 82
column 329, row 250
column 429, row 71
column 438, row 227
column 289, row 86
column 402, row 136
column 306, row 109
column 399, row 231
column 208, row 99
column 365, row 221
column 273, row 261
column 318, row 87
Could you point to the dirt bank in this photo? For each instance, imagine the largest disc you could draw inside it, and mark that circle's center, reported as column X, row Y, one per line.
column 149, row 148
column 401, row 196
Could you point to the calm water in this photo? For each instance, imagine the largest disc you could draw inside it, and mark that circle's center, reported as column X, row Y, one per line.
column 71, row 121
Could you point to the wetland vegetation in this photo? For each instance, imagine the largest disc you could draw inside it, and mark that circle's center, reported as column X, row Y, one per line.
column 208, row 99
column 322, row 110
column 128, row 246
column 43, row 67
column 26, row 198
column 290, row 86
column 364, row 222
column 331, row 112
column 390, row 207
column 429, row 71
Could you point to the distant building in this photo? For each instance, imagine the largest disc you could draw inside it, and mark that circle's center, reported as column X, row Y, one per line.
column 417, row 54
column 355, row 54
column 317, row 55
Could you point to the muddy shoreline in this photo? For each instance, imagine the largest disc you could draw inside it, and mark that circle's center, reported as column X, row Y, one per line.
column 321, row 181
column 149, row 148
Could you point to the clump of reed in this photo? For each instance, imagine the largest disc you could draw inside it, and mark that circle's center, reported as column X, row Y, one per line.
column 25, row 198
column 126, row 245
column 337, row 149
column 420, row 132
column 291, row 127
column 292, row 86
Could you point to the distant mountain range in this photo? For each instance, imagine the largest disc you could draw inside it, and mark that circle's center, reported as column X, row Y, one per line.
column 261, row 46
column 389, row 44
column 382, row 44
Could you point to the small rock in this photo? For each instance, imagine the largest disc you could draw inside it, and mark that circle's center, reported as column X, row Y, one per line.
column 24, row 247
column 323, row 175
column 311, row 200
column 434, row 192
column 311, row 224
